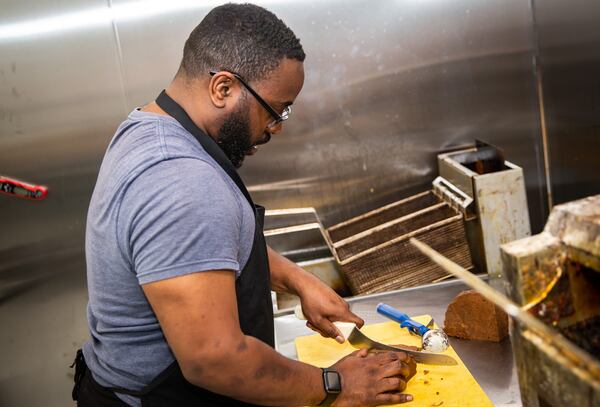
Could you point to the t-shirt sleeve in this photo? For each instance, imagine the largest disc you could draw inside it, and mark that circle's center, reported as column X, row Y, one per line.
column 179, row 217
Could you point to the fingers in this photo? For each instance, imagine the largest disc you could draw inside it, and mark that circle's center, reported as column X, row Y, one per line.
column 352, row 317
column 314, row 328
column 376, row 379
column 327, row 329
column 412, row 366
column 345, row 315
column 397, row 368
column 361, row 353
column 393, row 364
column 387, row 355
column 317, row 330
column 393, row 398
column 332, row 331
column 391, row 384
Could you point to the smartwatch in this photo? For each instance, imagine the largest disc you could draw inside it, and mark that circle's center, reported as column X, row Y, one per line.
column 332, row 383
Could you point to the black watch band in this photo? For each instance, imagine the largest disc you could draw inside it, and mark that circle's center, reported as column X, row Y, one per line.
column 332, row 383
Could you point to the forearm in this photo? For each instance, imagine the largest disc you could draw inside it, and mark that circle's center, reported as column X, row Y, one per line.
column 286, row 276
column 253, row 372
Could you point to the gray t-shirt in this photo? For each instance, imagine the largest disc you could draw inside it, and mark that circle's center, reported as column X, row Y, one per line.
column 161, row 208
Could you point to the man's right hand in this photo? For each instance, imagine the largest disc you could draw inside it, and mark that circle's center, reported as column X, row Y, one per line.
column 374, row 379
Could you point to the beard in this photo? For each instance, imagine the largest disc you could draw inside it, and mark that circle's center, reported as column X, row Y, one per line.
column 234, row 135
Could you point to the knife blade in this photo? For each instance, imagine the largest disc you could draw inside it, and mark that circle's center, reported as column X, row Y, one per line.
column 361, row 341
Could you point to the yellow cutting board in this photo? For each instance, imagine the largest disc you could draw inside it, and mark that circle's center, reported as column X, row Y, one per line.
column 432, row 386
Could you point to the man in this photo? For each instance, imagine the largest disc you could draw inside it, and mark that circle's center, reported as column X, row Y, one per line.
column 179, row 275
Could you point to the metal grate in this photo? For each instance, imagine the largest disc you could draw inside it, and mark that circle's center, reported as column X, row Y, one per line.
column 382, row 215
column 380, row 258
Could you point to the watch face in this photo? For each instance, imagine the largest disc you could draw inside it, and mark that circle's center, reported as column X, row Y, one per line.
column 332, row 382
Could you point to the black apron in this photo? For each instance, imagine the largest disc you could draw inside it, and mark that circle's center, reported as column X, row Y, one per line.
column 253, row 294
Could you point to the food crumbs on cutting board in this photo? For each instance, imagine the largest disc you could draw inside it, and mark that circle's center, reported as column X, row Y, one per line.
column 425, row 371
column 437, row 393
column 426, row 382
column 437, row 404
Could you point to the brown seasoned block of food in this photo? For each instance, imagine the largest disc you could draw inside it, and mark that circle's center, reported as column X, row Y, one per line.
column 471, row 316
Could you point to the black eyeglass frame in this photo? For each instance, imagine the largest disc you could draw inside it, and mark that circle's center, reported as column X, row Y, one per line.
column 276, row 116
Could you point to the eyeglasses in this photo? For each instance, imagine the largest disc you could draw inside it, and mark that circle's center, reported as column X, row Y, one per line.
column 277, row 118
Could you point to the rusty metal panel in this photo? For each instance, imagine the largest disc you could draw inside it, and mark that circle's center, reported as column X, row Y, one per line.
column 546, row 277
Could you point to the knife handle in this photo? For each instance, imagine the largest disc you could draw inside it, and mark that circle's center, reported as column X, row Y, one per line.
column 404, row 320
column 344, row 327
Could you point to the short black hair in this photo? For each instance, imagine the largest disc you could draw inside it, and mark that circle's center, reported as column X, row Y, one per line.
column 242, row 38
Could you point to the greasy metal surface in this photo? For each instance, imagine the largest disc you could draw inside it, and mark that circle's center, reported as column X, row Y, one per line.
column 491, row 363
column 554, row 371
column 455, row 197
column 457, row 174
column 569, row 60
column 577, row 224
column 502, row 212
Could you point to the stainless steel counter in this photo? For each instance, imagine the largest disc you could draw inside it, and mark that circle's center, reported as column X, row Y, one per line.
column 491, row 364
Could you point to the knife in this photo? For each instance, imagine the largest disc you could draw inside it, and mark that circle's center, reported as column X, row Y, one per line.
column 359, row 340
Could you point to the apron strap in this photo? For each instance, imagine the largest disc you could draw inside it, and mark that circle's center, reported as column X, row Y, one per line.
column 166, row 103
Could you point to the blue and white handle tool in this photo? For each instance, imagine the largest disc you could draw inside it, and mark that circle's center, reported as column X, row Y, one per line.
column 404, row 320
column 434, row 340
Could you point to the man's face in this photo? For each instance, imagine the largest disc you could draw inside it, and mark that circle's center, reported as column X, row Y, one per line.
column 244, row 129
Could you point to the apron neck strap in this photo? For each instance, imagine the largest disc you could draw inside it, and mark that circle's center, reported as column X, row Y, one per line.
column 166, row 103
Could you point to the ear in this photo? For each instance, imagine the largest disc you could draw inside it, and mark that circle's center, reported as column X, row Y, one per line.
column 221, row 89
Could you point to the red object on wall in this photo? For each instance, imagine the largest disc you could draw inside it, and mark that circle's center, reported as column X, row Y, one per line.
column 20, row 189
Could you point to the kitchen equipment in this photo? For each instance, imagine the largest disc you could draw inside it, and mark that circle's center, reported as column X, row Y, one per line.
column 373, row 250
column 434, row 340
column 476, row 204
column 555, row 275
column 490, row 193
column 433, row 385
column 556, row 342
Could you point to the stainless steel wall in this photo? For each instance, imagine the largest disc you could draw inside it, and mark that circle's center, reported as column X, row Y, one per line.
column 569, row 56
column 388, row 85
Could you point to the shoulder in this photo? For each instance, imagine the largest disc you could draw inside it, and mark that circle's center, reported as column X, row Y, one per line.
column 194, row 182
column 181, row 216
